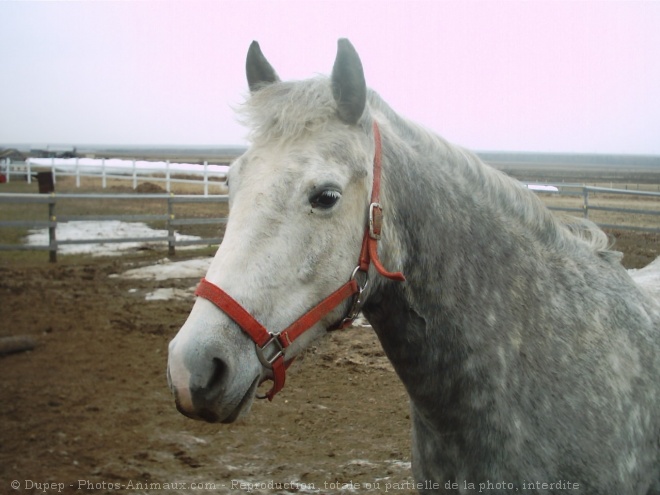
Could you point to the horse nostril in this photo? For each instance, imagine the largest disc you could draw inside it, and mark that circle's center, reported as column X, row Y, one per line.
column 216, row 382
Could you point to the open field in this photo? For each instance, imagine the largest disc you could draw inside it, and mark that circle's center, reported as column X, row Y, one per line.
column 90, row 407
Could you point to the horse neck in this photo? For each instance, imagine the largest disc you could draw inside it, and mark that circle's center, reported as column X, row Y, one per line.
column 449, row 213
column 472, row 244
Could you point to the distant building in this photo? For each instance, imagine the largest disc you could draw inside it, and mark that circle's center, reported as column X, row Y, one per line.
column 52, row 151
column 12, row 154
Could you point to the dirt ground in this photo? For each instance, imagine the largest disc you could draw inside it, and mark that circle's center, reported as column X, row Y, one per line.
column 89, row 410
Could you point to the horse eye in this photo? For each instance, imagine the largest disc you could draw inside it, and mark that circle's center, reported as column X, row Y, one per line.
column 325, row 199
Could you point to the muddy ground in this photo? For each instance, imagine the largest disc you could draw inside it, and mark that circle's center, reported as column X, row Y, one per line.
column 89, row 408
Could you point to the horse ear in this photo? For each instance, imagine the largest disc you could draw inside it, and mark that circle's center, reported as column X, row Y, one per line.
column 348, row 85
column 259, row 71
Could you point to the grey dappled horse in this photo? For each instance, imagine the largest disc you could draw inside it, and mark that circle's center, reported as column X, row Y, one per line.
column 529, row 354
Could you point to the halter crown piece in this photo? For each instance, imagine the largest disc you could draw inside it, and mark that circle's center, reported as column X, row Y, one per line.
column 270, row 347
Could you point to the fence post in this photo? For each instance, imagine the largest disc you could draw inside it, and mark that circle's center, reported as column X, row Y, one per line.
column 8, row 169
column 206, row 178
column 52, row 168
column 103, row 181
column 585, row 206
column 167, row 176
column 134, row 175
column 28, row 163
column 170, row 227
column 52, row 239
column 77, row 172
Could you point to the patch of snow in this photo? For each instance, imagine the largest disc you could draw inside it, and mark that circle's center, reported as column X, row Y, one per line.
column 362, row 462
column 166, row 269
column 361, row 321
column 541, row 187
column 403, row 465
column 111, row 229
column 167, row 293
column 648, row 277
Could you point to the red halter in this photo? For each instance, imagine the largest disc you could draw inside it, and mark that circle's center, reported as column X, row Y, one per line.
column 278, row 342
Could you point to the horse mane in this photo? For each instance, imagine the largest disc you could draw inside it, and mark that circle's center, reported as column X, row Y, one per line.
column 287, row 111
column 502, row 191
column 517, row 199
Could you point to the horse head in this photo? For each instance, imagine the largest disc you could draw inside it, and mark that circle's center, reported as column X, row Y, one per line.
column 299, row 203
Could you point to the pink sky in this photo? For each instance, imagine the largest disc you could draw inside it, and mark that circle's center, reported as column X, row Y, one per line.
column 533, row 76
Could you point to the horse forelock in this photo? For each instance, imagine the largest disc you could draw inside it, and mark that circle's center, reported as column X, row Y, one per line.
column 301, row 117
column 288, row 111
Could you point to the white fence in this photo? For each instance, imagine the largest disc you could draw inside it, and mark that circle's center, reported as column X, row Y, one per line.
column 205, row 175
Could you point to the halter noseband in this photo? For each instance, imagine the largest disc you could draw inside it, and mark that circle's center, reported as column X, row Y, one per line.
column 270, row 347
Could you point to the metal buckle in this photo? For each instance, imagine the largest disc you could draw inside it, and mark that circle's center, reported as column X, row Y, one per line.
column 354, row 311
column 378, row 224
column 279, row 351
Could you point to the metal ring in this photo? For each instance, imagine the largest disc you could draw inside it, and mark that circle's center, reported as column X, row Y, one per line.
column 361, row 287
column 356, row 305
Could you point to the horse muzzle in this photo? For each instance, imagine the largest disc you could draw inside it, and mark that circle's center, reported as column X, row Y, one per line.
column 211, row 382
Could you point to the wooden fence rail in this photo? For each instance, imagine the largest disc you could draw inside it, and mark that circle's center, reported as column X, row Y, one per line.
column 54, row 219
column 586, row 206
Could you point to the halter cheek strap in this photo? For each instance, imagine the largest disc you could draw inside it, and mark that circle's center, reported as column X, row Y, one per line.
column 369, row 252
column 270, row 347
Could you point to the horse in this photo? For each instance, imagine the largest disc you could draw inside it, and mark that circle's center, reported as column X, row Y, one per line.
column 530, row 356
